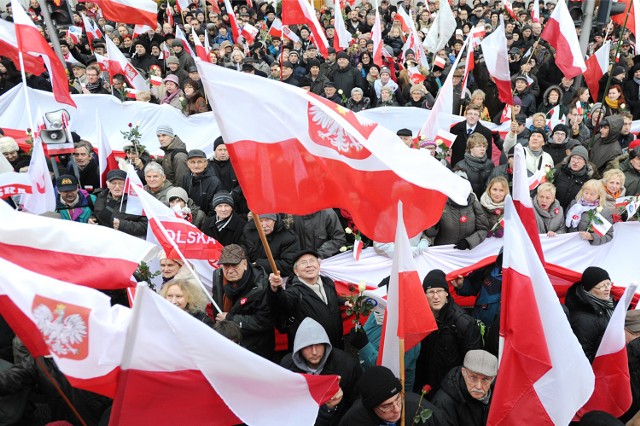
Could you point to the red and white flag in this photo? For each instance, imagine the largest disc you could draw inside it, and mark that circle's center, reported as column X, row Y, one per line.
column 75, row 325
column 118, row 64
column 554, row 117
column 233, row 22
column 169, row 13
column 183, row 5
column 31, row 42
column 301, row 12
column 579, row 104
column 543, row 370
column 9, row 48
column 93, row 256
column 249, row 32
column 92, row 30
column 612, row 392
column 506, row 114
column 185, row 43
column 560, row 32
column 496, row 57
column 600, row 225
column 75, row 33
column 138, row 30
column 405, row 20
column 103, row 62
column 279, row 30
column 106, row 159
column 200, row 50
column 597, row 66
column 415, row 75
column 439, row 62
column 441, row 30
column 14, row 183
column 179, row 357
column 535, row 11
column 522, row 198
column 509, row 8
column 378, row 45
column 320, row 136
column 445, row 138
column 405, row 297
column 155, row 80
column 475, row 37
column 357, row 248
column 134, row 205
column 43, row 199
column 342, row 38
column 130, row 11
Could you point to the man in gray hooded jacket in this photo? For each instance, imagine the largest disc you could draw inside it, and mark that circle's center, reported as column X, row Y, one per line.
column 313, row 354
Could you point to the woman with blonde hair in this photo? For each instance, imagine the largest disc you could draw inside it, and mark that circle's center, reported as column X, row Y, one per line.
column 548, row 211
column 492, row 201
column 186, row 295
column 477, row 98
column 613, row 183
column 581, row 214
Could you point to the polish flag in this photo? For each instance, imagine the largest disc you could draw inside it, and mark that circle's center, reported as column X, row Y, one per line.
column 475, row 36
column 9, row 48
column 439, row 62
column 185, row 43
column 320, row 136
column 169, row 14
column 522, row 199
column 93, row 256
column 92, row 30
column 207, row 46
column 131, row 93
column 405, row 297
column 578, row 103
column 440, row 117
column 378, row 45
column 134, row 205
column 633, row 22
column 233, row 22
column 103, row 62
column 301, row 12
column 496, row 57
column 555, row 118
column 106, row 159
column 138, row 30
column 75, row 325
column 441, row 30
column 342, row 38
column 622, row 202
column 214, row 5
column 418, row 50
column 537, row 179
column 535, row 11
column 597, row 66
column 118, row 64
column 612, row 392
column 200, row 50
column 155, row 80
column 600, row 226
column 75, row 33
column 415, row 75
column 543, row 369
column 560, row 32
column 174, row 233
column 32, row 43
column 279, row 30
column 357, row 248
column 506, row 114
column 249, row 32
column 130, row 11
column 43, row 199
column 14, row 183
column 179, row 357
column 183, row 5
column 405, row 20
column 445, row 138
column 509, row 7
column 286, row 31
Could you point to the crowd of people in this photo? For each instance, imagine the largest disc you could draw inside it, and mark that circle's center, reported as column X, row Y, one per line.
column 578, row 142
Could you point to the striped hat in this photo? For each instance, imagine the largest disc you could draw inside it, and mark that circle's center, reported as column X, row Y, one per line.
column 165, row 129
column 222, row 198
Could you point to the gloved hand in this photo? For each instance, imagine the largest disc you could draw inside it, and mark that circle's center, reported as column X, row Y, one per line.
column 463, row 244
column 423, row 246
column 358, row 339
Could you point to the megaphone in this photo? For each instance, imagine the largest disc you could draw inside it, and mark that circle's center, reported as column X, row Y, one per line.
column 56, row 132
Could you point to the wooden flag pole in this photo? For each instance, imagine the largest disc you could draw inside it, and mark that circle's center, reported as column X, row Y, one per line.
column 265, row 244
column 402, row 379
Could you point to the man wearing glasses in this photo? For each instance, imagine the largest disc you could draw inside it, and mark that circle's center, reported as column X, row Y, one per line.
column 466, row 392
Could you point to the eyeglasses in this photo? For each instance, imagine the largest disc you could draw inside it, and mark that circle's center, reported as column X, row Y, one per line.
column 474, row 379
column 604, row 286
column 396, row 403
column 433, row 292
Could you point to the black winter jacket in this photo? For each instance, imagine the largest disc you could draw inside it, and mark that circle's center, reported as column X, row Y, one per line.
column 230, row 234
column 347, row 78
column 359, row 415
column 568, row 183
column 457, row 407
column 106, row 208
column 283, row 243
column 458, row 222
column 202, row 188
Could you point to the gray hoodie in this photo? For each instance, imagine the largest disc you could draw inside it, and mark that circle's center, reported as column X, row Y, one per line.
column 310, row 333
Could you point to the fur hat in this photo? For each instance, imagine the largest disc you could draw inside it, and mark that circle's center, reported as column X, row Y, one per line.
column 8, row 144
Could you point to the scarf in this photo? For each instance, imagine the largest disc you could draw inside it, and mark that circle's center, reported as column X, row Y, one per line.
column 221, row 224
column 614, row 196
column 475, row 164
column 488, row 203
column 93, row 86
column 168, row 98
column 233, row 289
column 575, row 212
column 611, row 103
column 378, row 86
column 606, row 305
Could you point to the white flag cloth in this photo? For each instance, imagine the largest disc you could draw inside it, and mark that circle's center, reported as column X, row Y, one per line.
column 43, row 199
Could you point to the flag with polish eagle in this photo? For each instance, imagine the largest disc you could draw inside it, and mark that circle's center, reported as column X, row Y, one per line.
column 130, row 11
column 201, row 52
column 118, row 64
column 327, row 146
column 496, row 58
column 301, row 12
column 92, row 30
column 597, row 66
column 560, row 32
column 249, row 32
column 279, row 30
column 14, row 183
column 106, row 159
column 342, row 38
column 103, row 62
column 43, row 199
column 9, row 49
column 74, row 33
column 31, row 42
column 405, row 297
column 543, row 370
column 612, row 392
column 93, row 256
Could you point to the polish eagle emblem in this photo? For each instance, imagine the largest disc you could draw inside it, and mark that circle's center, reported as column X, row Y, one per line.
column 64, row 331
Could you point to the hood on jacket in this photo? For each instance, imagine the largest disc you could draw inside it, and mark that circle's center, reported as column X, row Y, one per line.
column 615, row 127
column 545, row 97
column 310, row 332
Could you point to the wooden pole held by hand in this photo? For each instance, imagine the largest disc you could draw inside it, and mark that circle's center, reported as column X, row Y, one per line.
column 265, row 243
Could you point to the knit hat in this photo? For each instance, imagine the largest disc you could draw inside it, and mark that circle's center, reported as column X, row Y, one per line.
column 385, row 70
column 617, row 70
column 481, row 362
column 581, row 151
column 176, row 43
column 435, row 279
column 342, row 55
column 376, row 385
column 173, row 60
column 165, row 129
column 633, row 145
column 313, row 63
column 541, row 131
column 560, row 128
column 272, row 216
column 222, row 198
column 592, row 276
column 177, row 192
column 572, row 143
column 219, row 141
column 517, row 101
column 632, row 321
column 8, row 144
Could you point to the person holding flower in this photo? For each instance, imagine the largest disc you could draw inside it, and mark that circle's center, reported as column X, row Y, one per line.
column 582, row 213
column 548, row 211
column 492, row 201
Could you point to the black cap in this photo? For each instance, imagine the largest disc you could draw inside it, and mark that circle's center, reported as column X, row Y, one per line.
column 196, row 153
column 331, row 50
column 303, row 252
column 116, row 174
column 342, row 55
column 329, row 84
column 435, row 279
column 404, row 132
column 287, row 64
column 66, row 183
column 592, row 276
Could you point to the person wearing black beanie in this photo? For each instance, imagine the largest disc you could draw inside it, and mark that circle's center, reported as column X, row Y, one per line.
column 590, row 307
